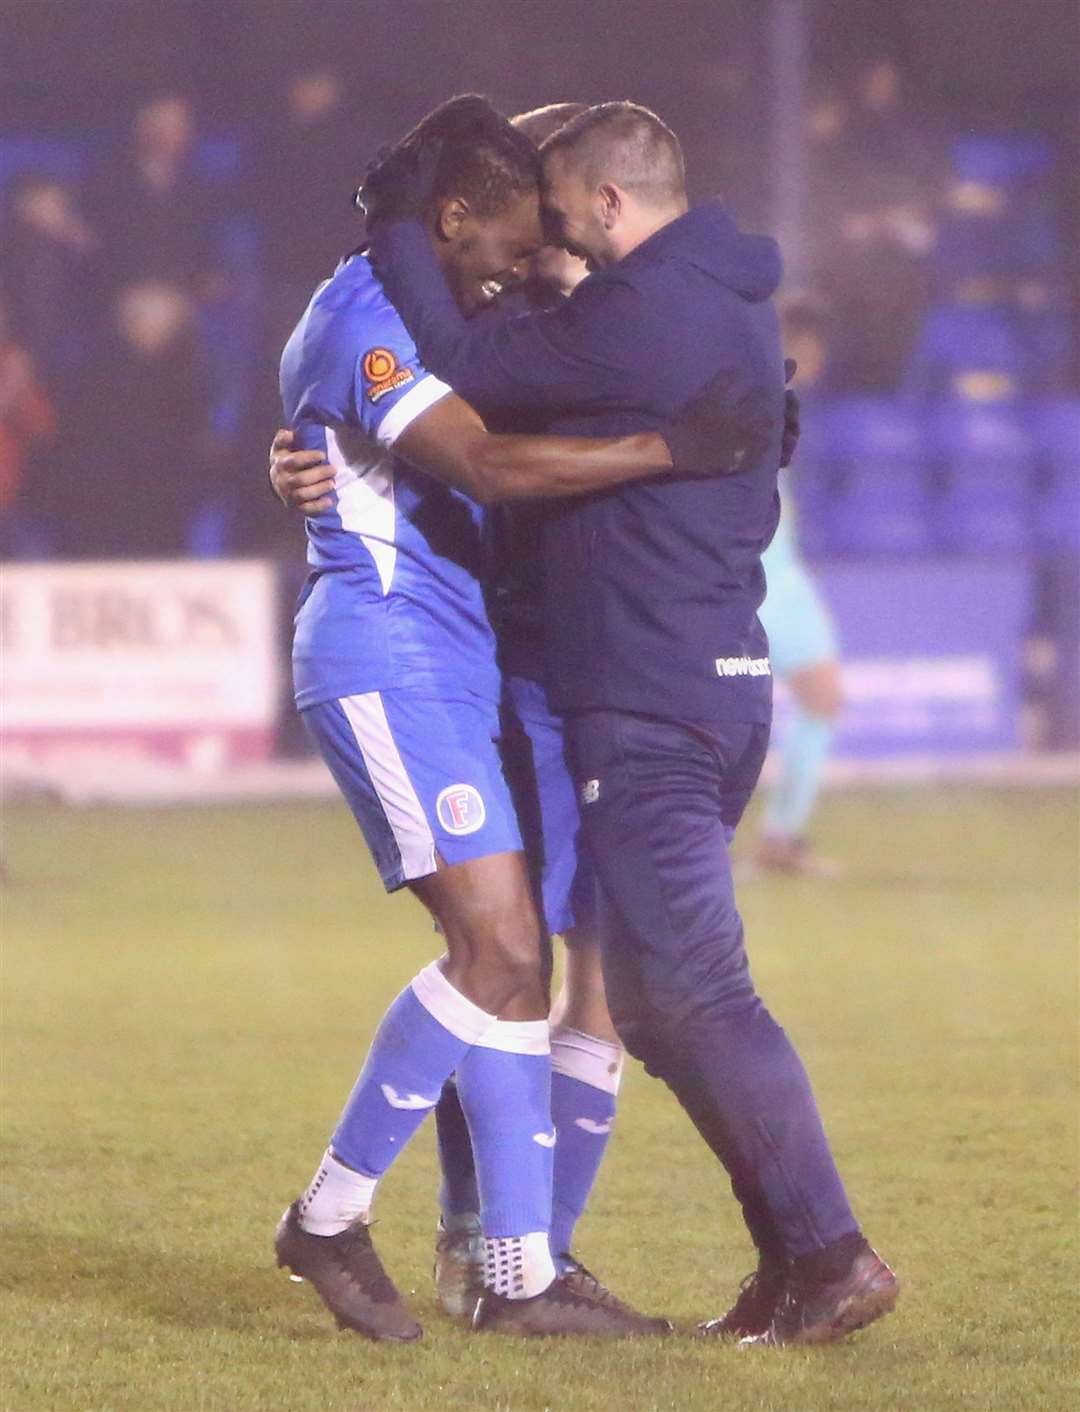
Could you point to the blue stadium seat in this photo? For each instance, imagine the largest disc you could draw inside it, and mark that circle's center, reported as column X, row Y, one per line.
column 986, row 458
column 881, row 508
column 966, row 346
column 998, row 219
column 62, row 158
column 1057, row 495
column 1001, row 159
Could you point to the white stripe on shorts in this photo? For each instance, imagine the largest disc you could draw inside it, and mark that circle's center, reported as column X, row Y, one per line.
column 404, row 812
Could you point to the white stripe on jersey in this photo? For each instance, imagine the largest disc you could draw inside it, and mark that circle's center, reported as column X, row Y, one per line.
column 404, row 812
column 405, row 410
column 364, row 475
column 364, row 482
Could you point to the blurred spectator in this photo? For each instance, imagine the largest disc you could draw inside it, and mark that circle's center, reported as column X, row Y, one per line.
column 874, row 162
column 891, row 134
column 136, row 463
column 47, row 247
column 27, row 424
column 154, row 211
column 311, row 158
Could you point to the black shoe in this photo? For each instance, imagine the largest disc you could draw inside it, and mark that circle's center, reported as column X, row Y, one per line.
column 753, row 1311
column 348, row 1277
column 824, row 1310
column 459, row 1266
column 583, row 1282
column 573, row 1304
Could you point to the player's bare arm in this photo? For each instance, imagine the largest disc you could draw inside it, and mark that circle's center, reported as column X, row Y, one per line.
column 450, row 442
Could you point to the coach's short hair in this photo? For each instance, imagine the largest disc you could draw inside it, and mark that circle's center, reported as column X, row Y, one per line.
column 540, row 123
column 626, row 144
column 484, row 159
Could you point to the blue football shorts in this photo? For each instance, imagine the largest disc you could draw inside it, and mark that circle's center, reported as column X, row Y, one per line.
column 546, row 797
column 797, row 621
column 422, row 776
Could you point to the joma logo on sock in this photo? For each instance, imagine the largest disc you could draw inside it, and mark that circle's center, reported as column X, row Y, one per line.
column 597, row 1129
column 407, row 1100
column 544, row 1139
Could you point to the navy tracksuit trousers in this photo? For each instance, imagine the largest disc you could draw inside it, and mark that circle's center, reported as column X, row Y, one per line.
column 660, row 802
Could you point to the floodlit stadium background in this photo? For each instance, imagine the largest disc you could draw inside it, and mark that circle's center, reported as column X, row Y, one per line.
column 174, row 179
column 197, row 946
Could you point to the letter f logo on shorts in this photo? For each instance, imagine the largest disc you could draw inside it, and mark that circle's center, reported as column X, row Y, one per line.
column 460, row 809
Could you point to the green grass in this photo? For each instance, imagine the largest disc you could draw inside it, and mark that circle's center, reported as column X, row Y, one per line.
column 188, row 995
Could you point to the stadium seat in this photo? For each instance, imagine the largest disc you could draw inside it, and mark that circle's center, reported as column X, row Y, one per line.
column 63, row 158
column 881, row 506
column 967, row 349
column 1057, row 495
column 985, row 459
column 1001, row 159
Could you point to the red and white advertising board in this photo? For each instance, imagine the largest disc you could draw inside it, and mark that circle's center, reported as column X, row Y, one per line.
column 136, row 663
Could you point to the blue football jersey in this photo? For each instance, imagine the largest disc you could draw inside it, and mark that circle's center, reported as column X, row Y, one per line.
column 394, row 597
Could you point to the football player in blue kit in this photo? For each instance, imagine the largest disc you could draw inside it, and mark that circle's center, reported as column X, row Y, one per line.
column 396, row 677
column 586, row 1054
column 660, row 666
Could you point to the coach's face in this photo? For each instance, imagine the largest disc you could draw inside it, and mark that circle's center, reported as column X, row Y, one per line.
column 480, row 255
column 574, row 213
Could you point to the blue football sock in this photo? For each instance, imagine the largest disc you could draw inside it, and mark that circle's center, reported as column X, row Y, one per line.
column 419, row 1043
column 803, row 754
column 584, row 1084
column 458, row 1195
column 506, row 1095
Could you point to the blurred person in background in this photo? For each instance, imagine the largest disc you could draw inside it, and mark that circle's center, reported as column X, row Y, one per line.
column 891, row 133
column 802, row 647
column 135, row 460
column 153, row 210
column 47, row 250
column 874, row 276
column 27, row 426
column 310, row 145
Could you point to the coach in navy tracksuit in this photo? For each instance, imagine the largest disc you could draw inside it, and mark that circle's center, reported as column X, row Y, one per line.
column 656, row 655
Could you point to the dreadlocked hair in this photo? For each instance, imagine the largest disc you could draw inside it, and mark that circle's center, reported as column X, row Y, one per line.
column 483, row 159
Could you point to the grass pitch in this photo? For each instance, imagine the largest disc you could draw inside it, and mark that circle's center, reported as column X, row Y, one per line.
column 188, row 995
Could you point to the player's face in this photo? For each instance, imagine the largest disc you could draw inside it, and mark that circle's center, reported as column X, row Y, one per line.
column 484, row 255
column 572, row 212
